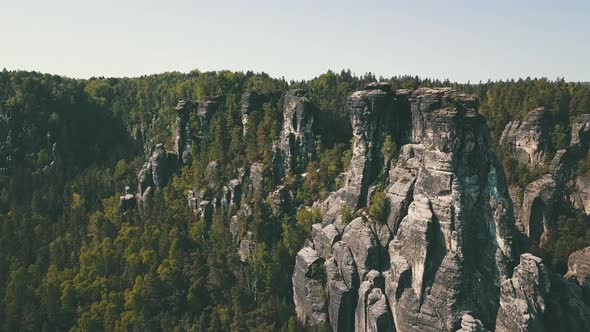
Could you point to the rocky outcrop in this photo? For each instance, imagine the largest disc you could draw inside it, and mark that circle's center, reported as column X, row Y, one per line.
column 446, row 258
column 450, row 221
column 183, row 139
column 530, row 139
column 580, row 133
column 256, row 176
column 341, row 283
column 578, row 265
column 372, row 312
column 459, row 223
column 372, row 115
column 535, row 216
column 580, row 196
column 522, row 300
column 127, row 202
column 297, row 142
column 470, row 324
column 156, row 172
column 308, row 288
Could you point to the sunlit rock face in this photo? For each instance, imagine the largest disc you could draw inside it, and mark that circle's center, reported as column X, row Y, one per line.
column 375, row 111
column 450, row 219
column 445, row 256
column 296, row 145
column 458, row 226
column 183, row 139
column 529, row 140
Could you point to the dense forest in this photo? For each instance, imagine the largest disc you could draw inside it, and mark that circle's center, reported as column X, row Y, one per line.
column 70, row 259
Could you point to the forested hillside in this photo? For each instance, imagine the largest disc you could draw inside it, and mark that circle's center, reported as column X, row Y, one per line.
column 74, row 257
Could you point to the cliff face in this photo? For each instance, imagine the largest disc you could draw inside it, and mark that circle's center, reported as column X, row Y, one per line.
column 372, row 115
column 296, row 145
column 529, row 140
column 459, row 224
column 184, row 134
column 446, row 257
column 535, row 207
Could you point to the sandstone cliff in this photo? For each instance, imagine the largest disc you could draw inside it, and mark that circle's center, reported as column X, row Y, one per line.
column 446, row 257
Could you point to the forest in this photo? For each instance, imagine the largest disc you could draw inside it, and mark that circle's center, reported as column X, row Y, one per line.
column 70, row 260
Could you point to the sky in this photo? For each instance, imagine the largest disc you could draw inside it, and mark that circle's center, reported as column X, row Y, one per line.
column 300, row 39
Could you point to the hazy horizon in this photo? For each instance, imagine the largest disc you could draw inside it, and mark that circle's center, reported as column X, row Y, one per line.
column 456, row 40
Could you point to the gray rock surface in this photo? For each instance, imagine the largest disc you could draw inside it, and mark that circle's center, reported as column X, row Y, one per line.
column 470, row 324
column 459, row 223
column 323, row 238
column 256, row 176
column 446, row 258
column 522, row 299
column 578, row 265
column 297, row 142
column 183, row 138
column 308, row 289
column 581, row 194
column 156, row 172
column 372, row 312
column 364, row 244
column 529, row 140
column 342, row 284
column 580, row 134
column 371, row 110
column 536, row 208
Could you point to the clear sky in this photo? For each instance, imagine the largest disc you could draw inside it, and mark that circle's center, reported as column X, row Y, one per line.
column 299, row 39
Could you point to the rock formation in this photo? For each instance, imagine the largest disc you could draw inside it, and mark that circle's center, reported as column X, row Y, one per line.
column 372, row 115
column 445, row 258
column 581, row 194
column 308, row 289
column 156, row 172
column 535, row 215
column 297, row 142
column 127, row 202
column 459, row 222
column 436, row 211
column 580, row 134
column 522, row 299
column 184, row 133
column 529, row 140
column 578, row 265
